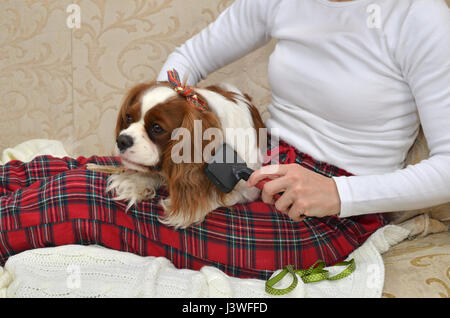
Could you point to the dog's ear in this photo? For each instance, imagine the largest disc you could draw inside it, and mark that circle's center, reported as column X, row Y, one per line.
column 132, row 98
column 198, row 134
column 190, row 191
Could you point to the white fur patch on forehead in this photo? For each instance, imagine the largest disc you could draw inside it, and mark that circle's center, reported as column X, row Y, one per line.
column 154, row 97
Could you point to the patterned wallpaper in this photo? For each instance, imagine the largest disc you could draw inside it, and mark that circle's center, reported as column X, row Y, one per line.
column 67, row 83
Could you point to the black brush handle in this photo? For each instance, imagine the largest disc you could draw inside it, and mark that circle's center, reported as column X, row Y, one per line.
column 242, row 173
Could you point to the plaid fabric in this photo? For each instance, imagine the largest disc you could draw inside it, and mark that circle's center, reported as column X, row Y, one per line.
column 51, row 202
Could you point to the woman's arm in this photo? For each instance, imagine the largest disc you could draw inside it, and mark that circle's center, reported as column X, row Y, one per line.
column 240, row 29
column 423, row 54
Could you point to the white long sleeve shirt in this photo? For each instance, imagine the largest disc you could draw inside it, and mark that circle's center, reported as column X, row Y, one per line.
column 351, row 82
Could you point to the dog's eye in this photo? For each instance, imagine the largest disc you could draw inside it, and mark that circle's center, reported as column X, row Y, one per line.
column 157, row 129
column 129, row 119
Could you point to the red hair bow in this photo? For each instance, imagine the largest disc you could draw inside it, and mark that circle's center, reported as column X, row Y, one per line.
column 185, row 91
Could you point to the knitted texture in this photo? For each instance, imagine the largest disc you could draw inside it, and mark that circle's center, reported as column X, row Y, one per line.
column 93, row 271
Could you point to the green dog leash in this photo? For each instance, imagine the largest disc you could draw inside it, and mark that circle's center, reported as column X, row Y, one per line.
column 313, row 274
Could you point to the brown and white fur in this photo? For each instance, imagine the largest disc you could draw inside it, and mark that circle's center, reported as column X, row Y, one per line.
column 148, row 117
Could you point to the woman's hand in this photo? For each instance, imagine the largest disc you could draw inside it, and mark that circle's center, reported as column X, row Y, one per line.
column 306, row 193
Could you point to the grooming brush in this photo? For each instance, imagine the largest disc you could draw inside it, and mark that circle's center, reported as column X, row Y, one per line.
column 226, row 168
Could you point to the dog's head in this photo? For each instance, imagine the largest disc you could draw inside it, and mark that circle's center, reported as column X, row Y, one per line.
column 147, row 121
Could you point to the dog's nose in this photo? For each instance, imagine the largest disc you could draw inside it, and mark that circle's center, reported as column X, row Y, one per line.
column 124, row 142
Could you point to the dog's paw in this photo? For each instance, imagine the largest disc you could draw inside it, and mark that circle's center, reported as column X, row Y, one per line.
column 241, row 194
column 175, row 219
column 181, row 219
column 133, row 187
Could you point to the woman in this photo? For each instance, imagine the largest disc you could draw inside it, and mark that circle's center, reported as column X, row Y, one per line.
column 348, row 94
column 351, row 82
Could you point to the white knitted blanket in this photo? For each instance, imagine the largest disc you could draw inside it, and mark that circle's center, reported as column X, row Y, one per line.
column 94, row 271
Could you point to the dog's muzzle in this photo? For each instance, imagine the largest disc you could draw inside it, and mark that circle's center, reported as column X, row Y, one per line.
column 124, row 142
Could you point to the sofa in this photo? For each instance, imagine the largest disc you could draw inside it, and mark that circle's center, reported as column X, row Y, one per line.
column 58, row 81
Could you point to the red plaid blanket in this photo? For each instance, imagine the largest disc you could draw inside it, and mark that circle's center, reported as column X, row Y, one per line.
column 51, row 202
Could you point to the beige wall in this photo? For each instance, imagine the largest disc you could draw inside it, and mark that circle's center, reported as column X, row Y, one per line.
column 67, row 84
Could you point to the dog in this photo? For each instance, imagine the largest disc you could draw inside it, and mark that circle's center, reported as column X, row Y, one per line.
column 149, row 146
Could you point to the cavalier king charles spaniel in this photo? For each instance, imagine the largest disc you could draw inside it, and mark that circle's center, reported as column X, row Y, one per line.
column 165, row 135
